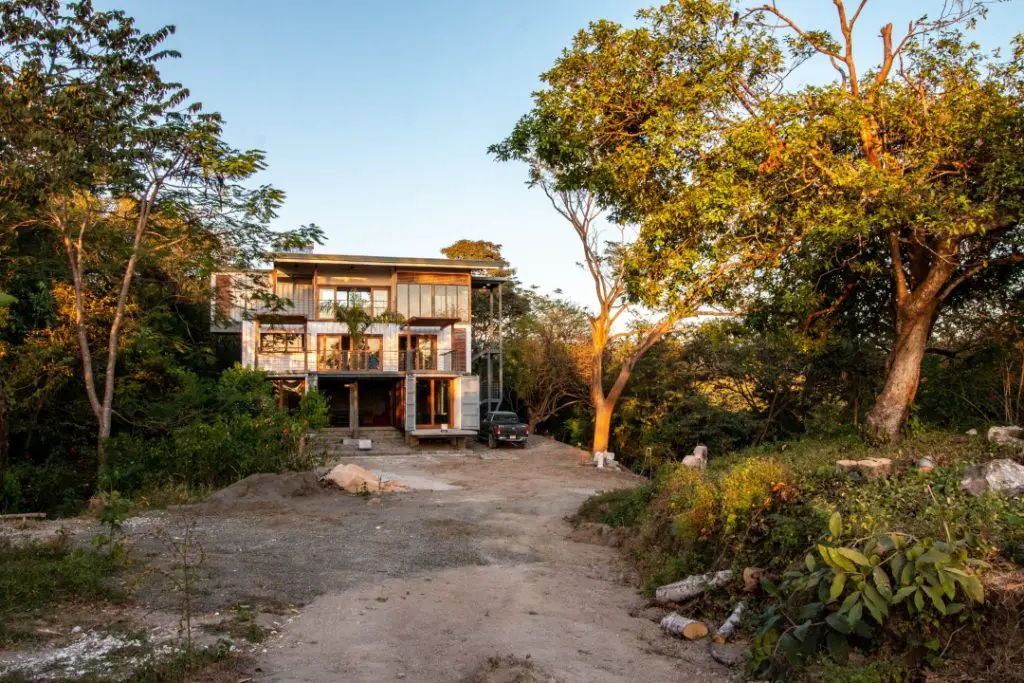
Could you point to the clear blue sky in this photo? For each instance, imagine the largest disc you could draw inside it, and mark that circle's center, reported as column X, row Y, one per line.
column 376, row 116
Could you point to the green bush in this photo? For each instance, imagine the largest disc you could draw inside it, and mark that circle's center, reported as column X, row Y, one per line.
column 768, row 506
column 845, row 594
column 241, row 432
column 621, row 507
column 313, row 409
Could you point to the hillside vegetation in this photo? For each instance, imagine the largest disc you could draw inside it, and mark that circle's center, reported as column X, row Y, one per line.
column 776, row 507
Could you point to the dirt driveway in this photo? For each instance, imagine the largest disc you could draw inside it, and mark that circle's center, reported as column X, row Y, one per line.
column 447, row 585
column 470, row 577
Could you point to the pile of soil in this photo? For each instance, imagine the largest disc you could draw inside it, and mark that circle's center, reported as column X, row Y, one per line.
column 508, row 669
column 260, row 490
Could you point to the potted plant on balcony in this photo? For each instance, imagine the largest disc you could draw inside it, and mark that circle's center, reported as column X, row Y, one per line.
column 357, row 319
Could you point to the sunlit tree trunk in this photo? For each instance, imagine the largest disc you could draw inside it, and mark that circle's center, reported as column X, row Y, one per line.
column 892, row 406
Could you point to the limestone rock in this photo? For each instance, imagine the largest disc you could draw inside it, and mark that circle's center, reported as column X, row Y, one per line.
column 1003, row 476
column 925, row 464
column 869, row 468
column 356, row 479
column 1007, row 436
column 699, row 459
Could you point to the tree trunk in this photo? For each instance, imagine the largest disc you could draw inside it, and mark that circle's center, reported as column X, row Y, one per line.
column 602, row 424
column 102, row 436
column 886, row 418
column 3, row 429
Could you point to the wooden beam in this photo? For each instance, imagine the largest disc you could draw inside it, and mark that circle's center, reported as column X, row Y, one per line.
column 316, row 292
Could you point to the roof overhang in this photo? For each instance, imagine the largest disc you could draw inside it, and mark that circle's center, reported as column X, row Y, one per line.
column 487, row 281
column 391, row 261
column 281, row 318
column 422, row 321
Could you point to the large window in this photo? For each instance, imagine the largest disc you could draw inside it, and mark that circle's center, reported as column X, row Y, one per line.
column 336, row 352
column 433, row 301
column 372, row 300
column 282, row 341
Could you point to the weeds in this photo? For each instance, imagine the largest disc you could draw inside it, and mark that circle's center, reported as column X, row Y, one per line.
column 42, row 577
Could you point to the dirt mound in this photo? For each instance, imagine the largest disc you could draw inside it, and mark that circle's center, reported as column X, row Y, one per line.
column 266, row 489
column 508, row 670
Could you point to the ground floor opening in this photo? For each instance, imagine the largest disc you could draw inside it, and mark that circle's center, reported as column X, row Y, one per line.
column 288, row 392
column 374, row 402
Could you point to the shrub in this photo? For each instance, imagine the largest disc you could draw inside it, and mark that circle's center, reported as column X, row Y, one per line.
column 313, row 410
column 751, row 487
column 616, row 508
column 241, row 432
column 692, row 500
column 846, row 593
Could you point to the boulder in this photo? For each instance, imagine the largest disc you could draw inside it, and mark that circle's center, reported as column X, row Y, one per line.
column 869, row 468
column 1005, row 477
column 356, row 479
column 925, row 464
column 699, row 459
column 1007, row 436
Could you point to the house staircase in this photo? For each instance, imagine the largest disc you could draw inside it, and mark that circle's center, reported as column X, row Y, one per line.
column 383, row 440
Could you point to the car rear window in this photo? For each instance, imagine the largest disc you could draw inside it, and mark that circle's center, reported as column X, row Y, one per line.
column 504, row 418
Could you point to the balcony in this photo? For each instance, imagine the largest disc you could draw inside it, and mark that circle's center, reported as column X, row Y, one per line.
column 416, row 360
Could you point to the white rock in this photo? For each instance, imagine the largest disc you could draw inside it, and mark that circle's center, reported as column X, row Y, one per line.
column 699, row 459
column 971, row 432
column 1003, row 476
column 1007, row 436
column 365, row 444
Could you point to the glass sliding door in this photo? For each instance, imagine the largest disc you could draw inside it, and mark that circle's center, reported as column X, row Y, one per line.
column 433, row 402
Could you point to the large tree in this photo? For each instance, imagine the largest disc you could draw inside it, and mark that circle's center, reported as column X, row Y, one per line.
column 689, row 127
column 920, row 151
column 547, row 358
column 618, row 140
column 97, row 147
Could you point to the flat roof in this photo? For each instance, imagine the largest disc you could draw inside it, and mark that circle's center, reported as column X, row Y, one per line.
column 359, row 260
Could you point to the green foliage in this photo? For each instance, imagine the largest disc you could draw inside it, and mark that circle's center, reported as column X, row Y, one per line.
column 114, row 510
column 826, row 670
column 846, row 593
column 547, row 356
column 240, row 431
column 313, row 410
column 895, row 592
column 10, row 492
column 621, row 507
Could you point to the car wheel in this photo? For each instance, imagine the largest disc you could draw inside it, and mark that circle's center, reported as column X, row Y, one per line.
column 491, row 441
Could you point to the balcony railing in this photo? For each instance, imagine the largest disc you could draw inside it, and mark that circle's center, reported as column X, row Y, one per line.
column 356, row 361
column 403, row 361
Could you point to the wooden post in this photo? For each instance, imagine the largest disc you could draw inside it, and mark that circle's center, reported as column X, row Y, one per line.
column 316, row 292
column 256, row 344
column 408, row 347
column 353, row 408
column 501, row 351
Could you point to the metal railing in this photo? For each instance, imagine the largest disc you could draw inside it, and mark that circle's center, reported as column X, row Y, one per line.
column 414, row 360
column 356, row 361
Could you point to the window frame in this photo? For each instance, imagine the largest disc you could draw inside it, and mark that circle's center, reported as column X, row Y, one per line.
column 271, row 332
column 446, row 300
column 371, row 290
